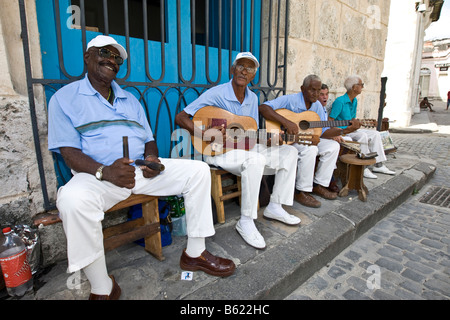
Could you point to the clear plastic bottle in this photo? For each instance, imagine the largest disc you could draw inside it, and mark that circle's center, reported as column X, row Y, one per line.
column 15, row 268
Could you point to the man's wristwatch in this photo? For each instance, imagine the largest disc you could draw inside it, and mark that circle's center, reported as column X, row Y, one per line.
column 99, row 173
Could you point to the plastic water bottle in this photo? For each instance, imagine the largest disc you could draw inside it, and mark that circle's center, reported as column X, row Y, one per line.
column 15, row 268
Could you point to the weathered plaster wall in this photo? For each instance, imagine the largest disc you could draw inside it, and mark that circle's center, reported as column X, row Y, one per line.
column 335, row 39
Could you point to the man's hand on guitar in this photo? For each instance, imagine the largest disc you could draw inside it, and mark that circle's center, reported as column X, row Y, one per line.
column 338, row 139
column 216, row 134
column 290, row 127
column 355, row 124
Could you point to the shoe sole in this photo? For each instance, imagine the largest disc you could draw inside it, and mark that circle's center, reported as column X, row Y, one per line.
column 323, row 197
column 391, row 174
column 273, row 219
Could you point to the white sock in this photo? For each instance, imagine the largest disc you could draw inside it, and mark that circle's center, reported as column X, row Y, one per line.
column 195, row 247
column 247, row 224
column 276, row 208
column 97, row 275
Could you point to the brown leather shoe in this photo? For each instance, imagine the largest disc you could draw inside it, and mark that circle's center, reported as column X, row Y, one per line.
column 324, row 192
column 215, row 266
column 114, row 295
column 333, row 187
column 307, row 200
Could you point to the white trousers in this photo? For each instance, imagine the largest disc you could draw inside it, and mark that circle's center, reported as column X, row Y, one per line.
column 252, row 165
column 370, row 141
column 84, row 199
column 328, row 151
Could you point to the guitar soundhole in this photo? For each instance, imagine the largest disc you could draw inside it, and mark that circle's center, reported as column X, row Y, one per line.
column 303, row 125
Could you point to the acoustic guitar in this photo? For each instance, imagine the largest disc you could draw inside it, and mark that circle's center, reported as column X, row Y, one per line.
column 309, row 122
column 241, row 132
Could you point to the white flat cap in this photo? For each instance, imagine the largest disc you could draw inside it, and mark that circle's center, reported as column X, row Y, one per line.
column 103, row 41
column 247, row 55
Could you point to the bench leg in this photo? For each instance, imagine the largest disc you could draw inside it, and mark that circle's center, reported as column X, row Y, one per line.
column 150, row 215
column 216, row 193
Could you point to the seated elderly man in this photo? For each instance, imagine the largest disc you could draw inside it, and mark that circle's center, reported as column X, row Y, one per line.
column 344, row 108
column 309, row 178
column 87, row 120
column 263, row 158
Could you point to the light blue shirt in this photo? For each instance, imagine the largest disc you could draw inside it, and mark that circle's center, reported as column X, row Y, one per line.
column 223, row 96
column 296, row 103
column 79, row 117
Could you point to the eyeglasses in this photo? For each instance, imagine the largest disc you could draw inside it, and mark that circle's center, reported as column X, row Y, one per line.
column 250, row 70
column 106, row 53
column 361, row 84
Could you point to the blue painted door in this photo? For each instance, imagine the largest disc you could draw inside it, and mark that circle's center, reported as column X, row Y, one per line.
column 165, row 84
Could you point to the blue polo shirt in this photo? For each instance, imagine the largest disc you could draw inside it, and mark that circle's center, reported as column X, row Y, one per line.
column 296, row 103
column 223, row 96
column 343, row 108
column 81, row 118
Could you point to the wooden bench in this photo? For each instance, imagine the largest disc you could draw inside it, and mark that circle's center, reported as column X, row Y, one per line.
column 147, row 227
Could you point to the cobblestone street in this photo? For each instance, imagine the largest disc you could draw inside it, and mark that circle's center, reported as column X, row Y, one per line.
column 404, row 256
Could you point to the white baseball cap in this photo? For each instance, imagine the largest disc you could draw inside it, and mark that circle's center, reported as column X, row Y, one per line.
column 103, row 41
column 247, row 55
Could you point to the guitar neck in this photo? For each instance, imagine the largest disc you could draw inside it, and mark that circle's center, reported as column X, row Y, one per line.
column 331, row 123
column 340, row 123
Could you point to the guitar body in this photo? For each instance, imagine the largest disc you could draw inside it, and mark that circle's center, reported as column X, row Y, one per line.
column 238, row 130
column 297, row 118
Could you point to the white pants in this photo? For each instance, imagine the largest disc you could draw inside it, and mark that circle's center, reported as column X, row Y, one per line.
column 328, row 151
column 84, row 199
column 252, row 165
column 370, row 141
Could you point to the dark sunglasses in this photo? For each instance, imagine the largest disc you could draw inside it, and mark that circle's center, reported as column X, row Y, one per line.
column 106, row 53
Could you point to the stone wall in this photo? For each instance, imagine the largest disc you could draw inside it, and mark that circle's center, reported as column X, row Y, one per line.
column 20, row 193
column 335, row 39
column 20, row 186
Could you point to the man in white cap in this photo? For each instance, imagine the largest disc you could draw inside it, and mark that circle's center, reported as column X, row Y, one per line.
column 235, row 97
column 87, row 120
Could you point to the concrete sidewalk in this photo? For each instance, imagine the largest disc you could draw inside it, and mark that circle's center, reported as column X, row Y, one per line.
column 293, row 254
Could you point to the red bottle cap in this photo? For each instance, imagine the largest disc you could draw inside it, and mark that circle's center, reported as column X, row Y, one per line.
column 6, row 230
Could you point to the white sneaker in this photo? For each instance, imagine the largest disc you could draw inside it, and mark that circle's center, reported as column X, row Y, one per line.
column 383, row 169
column 286, row 218
column 254, row 239
column 368, row 174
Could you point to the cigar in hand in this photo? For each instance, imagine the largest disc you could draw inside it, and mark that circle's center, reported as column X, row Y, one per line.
column 152, row 165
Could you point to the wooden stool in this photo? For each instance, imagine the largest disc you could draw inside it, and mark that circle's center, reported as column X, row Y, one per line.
column 217, row 191
column 355, row 175
column 147, row 227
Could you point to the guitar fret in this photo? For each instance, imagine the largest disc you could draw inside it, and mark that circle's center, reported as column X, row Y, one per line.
column 322, row 124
